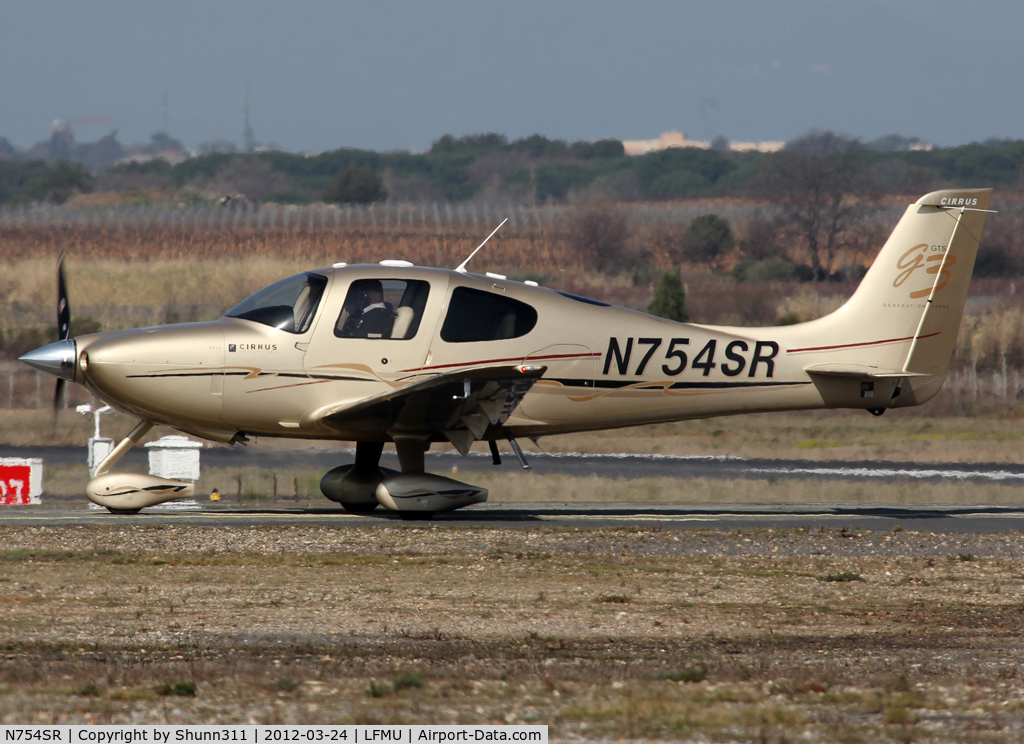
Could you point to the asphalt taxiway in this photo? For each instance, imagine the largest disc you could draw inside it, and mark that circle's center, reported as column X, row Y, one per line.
column 879, row 517
column 931, row 518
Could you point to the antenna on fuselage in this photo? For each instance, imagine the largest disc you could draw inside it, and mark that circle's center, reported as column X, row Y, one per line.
column 462, row 266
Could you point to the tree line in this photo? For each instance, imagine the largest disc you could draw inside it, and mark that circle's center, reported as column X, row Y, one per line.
column 529, row 170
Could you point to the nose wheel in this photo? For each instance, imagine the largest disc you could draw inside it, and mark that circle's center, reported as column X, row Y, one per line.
column 127, row 493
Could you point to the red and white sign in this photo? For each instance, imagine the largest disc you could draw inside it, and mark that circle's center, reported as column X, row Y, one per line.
column 21, row 480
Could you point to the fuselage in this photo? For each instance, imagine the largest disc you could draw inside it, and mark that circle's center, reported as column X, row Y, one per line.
column 605, row 366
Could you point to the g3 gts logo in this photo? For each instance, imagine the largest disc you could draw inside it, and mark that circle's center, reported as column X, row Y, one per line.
column 927, row 256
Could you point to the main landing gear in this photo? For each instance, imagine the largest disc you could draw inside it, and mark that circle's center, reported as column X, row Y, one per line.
column 413, row 493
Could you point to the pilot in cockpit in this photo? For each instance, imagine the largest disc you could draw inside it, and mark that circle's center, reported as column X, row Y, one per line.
column 369, row 315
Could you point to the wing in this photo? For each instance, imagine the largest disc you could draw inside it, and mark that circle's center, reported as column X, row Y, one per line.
column 460, row 405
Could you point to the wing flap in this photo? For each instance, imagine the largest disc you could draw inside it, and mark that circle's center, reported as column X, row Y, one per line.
column 454, row 402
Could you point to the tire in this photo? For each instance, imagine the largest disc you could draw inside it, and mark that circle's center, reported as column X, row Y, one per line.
column 122, row 512
column 359, row 508
column 415, row 516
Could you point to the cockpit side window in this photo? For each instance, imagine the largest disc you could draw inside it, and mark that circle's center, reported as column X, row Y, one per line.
column 474, row 315
column 288, row 305
column 382, row 308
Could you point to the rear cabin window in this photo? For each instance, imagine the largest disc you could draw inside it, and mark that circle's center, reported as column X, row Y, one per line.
column 382, row 308
column 474, row 315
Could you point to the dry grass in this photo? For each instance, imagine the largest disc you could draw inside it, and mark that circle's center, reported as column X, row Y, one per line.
column 534, row 249
column 157, row 274
column 313, row 625
column 514, row 488
column 908, row 435
column 902, row 436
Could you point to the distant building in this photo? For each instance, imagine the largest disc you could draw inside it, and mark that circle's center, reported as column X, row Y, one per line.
column 679, row 139
column 171, row 156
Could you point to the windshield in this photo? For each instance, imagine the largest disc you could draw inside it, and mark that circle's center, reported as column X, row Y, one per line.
column 288, row 305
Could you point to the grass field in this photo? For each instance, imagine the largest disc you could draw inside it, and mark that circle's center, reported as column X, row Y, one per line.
column 901, row 435
column 770, row 635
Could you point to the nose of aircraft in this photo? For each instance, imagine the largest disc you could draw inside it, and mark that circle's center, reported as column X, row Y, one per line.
column 57, row 359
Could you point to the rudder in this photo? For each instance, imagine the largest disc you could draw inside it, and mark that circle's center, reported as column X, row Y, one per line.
column 910, row 302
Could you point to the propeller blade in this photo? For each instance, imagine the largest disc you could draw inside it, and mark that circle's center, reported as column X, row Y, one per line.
column 63, row 310
column 63, row 332
column 58, row 396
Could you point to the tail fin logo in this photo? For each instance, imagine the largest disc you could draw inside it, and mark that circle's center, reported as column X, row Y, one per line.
column 930, row 258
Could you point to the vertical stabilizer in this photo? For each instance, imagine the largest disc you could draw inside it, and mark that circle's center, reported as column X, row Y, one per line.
column 906, row 313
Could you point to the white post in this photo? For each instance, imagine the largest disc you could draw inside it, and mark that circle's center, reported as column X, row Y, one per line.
column 974, row 380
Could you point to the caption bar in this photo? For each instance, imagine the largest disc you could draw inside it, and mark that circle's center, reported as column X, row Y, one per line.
column 131, row 734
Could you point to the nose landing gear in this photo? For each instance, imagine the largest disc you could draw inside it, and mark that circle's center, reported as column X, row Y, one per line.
column 127, row 493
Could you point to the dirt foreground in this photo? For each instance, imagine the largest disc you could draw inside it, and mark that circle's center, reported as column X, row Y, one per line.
column 821, row 635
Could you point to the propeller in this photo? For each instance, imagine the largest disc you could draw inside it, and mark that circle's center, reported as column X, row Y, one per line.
column 63, row 329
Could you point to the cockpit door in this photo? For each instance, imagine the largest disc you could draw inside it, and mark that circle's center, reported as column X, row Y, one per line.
column 377, row 327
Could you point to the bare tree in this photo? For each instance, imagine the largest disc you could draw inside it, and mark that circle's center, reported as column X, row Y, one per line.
column 599, row 234
column 817, row 181
column 759, row 237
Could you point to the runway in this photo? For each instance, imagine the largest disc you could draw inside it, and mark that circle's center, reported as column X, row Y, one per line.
column 576, row 464
column 938, row 518
column 878, row 517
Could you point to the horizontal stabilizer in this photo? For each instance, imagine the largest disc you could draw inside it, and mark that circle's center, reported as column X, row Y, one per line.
column 848, row 369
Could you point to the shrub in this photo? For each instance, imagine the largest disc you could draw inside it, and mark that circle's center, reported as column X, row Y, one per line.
column 356, row 186
column 66, row 179
column 407, row 681
column 707, row 240
column 381, row 690
column 185, row 688
column 993, row 263
column 776, row 269
column 285, row 684
column 842, row 577
column 669, row 299
column 689, row 674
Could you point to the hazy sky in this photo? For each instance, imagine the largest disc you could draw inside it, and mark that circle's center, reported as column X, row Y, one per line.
column 397, row 75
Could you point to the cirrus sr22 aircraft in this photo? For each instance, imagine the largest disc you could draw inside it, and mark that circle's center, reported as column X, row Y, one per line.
column 411, row 355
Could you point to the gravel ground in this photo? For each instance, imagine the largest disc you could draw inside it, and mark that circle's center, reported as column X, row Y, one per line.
column 767, row 635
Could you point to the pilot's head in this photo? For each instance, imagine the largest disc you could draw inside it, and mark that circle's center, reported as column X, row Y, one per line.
column 373, row 291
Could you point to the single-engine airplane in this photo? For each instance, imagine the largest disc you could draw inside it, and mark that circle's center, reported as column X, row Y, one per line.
column 393, row 352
